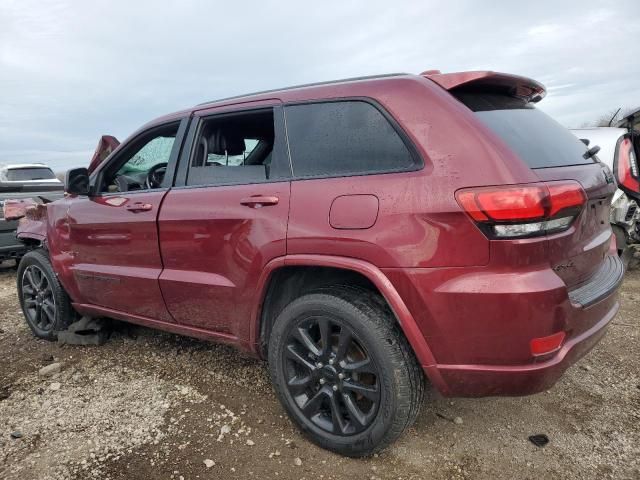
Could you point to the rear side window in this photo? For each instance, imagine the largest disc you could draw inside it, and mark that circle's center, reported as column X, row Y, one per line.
column 344, row 138
column 534, row 136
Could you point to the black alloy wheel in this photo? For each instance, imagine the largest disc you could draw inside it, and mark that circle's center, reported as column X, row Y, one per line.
column 38, row 299
column 331, row 376
column 45, row 304
column 343, row 369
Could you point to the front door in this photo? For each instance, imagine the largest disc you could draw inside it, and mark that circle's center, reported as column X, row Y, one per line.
column 113, row 232
column 226, row 218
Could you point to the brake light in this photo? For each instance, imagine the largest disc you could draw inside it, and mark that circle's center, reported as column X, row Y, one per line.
column 528, row 210
column 627, row 166
column 545, row 345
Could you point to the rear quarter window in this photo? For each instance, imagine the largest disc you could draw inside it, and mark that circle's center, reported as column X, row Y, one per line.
column 534, row 136
column 344, row 138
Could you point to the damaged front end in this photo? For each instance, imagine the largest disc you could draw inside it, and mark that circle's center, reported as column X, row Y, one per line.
column 31, row 216
column 32, row 213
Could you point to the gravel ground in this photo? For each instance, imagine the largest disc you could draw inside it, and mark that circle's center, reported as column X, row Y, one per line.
column 153, row 405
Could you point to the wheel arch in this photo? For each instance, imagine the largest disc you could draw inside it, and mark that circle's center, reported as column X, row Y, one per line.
column 287, row 269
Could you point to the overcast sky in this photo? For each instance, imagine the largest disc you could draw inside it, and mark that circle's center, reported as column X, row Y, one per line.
column 71, row 71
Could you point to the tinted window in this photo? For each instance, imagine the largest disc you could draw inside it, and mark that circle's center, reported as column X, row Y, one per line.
column 343, row 138
column 534, row 136
column 25, row 174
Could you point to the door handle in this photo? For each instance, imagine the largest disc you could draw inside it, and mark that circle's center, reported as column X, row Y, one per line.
column 258, row 201
column 139, row 207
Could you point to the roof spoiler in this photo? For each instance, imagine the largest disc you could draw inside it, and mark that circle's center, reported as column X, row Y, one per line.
column 515, row 85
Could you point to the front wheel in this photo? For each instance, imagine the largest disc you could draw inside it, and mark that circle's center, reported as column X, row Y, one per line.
column 344, row 371
column 45, row 304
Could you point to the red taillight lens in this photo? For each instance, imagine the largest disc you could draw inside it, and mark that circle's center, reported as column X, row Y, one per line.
column 545, row 345
column 523, row 210
column 565, row 196
column 627, row 168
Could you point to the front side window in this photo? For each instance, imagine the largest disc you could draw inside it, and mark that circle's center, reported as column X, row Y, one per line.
column 142, row 165
column 238, row 148
column 344, row 138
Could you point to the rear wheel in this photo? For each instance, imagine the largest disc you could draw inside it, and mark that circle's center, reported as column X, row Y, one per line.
column 344, row 371
column 45, row 305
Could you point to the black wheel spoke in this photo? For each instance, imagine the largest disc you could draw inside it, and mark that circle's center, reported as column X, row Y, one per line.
column 325, row 334
column 39, row 316
column 49, row 310
column 29, row 302
column 312, row 406
column 336, row 415
column 344, row 340
column 354, row 412
column 299, row 384
column 361, row 366
column 30, row 279
column 368, row 391
column 302, row 334
column 299, row 359
column 28, row 290
column 41, row 280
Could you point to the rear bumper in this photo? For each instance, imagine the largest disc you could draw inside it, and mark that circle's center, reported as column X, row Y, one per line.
column 479, row 322
column 505, row 380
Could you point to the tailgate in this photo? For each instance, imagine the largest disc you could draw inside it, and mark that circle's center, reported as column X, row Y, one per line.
column 577, row 254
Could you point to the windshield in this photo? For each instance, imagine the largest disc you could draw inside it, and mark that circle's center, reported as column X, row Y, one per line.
column 534, row 136
column 30, row 173
column 156, row 151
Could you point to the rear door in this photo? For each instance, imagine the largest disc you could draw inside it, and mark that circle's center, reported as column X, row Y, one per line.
column 113, row 232
column 554, row 153
column 226, row 218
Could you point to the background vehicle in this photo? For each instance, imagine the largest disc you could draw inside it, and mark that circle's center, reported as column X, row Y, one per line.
column 23, row 181
column 618, row 153
column 358, row 234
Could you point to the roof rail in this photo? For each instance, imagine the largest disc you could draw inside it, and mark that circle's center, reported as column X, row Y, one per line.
column 305, row 85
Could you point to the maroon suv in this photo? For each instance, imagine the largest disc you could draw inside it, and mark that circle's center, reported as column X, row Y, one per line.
column 363, row 235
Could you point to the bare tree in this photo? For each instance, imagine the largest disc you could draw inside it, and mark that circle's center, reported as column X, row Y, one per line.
column 608, row 119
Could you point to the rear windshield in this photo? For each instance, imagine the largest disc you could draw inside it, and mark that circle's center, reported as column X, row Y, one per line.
column 534, row 136
column 25, row 174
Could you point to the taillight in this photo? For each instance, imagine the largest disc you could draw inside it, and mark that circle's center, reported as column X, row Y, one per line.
column 627, row 166
column 527, row 210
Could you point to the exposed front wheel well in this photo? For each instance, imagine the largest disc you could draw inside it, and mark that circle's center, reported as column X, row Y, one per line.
column 288, row 283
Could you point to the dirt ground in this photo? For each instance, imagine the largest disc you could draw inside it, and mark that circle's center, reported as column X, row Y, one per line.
column 156, row 406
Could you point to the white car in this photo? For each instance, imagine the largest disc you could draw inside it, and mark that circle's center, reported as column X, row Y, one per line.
column 618, row 152
column 27, row 175
column 21, row 181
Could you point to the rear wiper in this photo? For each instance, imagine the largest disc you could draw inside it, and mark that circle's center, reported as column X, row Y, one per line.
column 591, row 152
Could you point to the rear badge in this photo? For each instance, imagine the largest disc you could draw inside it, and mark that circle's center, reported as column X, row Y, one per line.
column 563, row 266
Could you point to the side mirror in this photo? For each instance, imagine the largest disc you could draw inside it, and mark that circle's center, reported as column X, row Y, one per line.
column 76, row 181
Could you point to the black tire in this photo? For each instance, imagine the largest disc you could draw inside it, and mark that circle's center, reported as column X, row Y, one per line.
column 387, row 401
column 45, row 322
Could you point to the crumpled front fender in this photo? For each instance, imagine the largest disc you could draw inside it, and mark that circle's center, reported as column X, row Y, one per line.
column 33, row 218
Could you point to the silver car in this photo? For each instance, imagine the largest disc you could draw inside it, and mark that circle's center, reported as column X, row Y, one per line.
column 618, row 152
